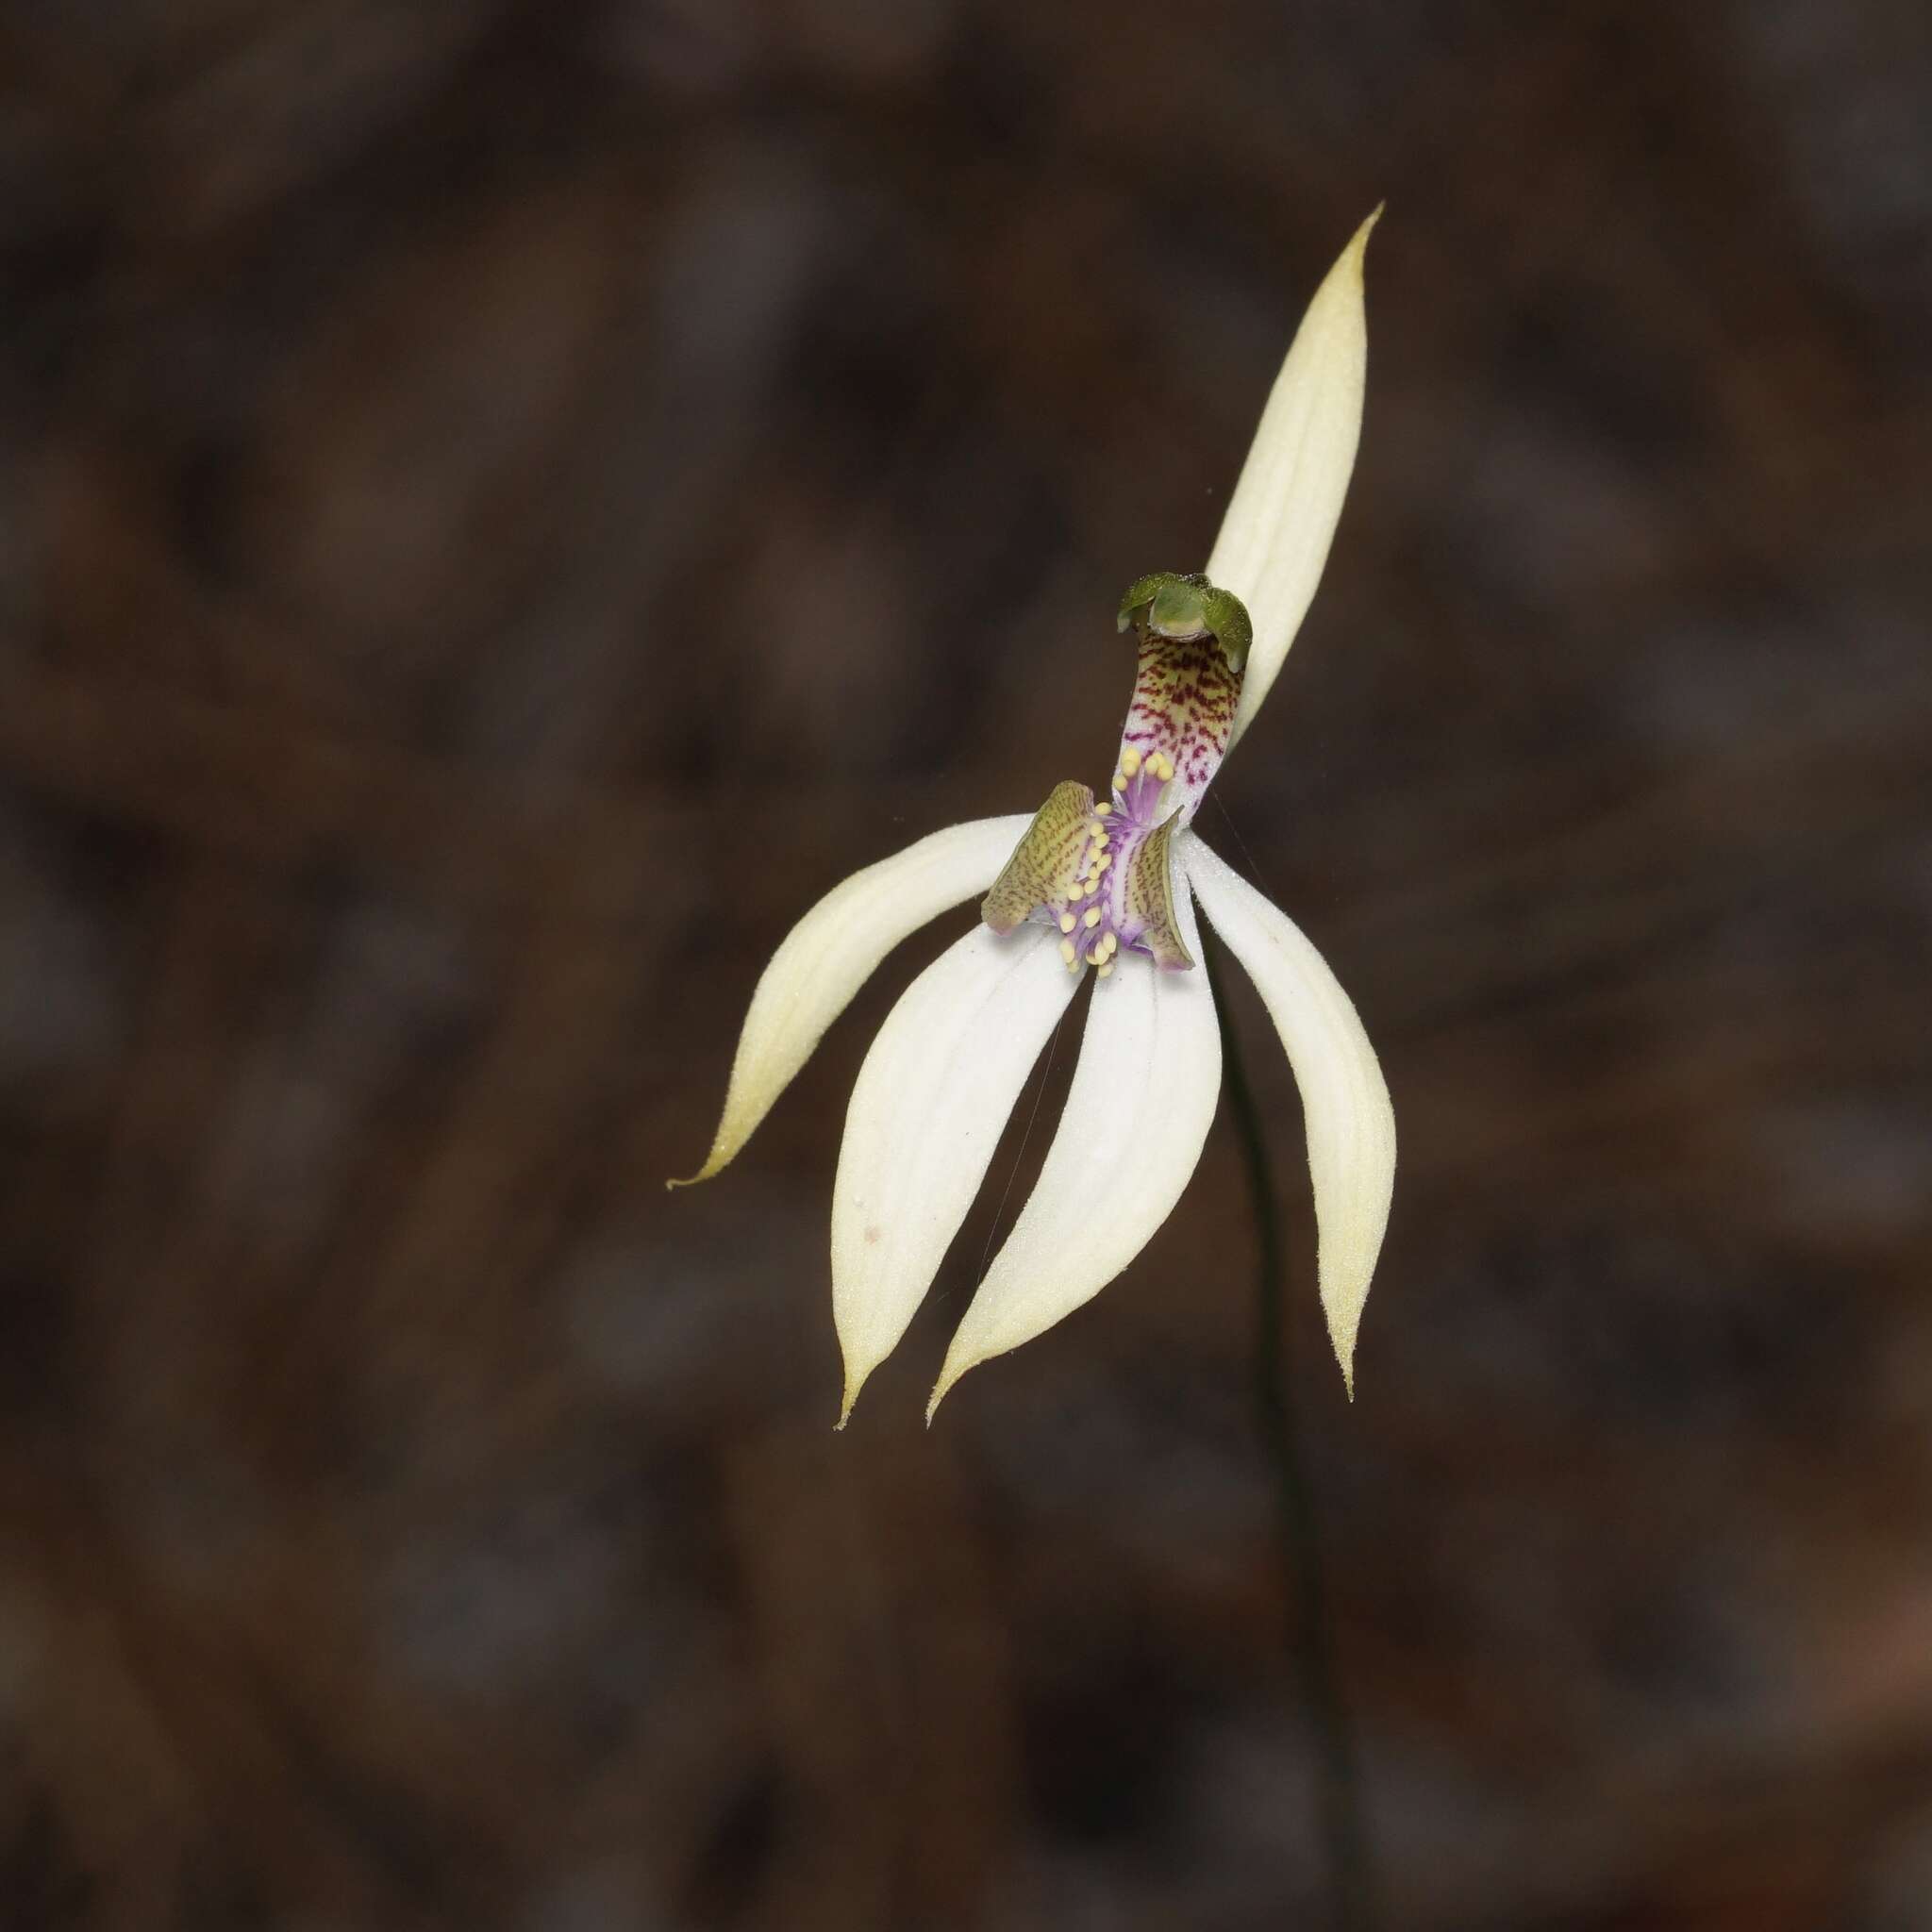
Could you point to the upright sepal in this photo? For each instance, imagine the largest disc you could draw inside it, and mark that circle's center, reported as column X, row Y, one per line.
column 1281, row 518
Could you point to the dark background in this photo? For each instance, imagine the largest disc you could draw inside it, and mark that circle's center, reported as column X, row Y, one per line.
column 503, row 505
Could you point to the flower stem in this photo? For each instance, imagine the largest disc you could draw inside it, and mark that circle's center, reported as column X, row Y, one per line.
column 1309, row 1639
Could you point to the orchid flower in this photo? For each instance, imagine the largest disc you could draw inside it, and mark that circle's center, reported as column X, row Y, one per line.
column 1108, row 884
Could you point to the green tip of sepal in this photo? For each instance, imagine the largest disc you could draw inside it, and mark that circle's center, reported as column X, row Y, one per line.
column 1183, row 604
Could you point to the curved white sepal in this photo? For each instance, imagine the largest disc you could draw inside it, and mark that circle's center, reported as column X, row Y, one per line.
column 932, row 1098
column 1281, row 518
column 1136, row 1118
column 832, row 951
column 1350, row 1125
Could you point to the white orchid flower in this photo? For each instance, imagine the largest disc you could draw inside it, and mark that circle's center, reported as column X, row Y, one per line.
column 1111, row 885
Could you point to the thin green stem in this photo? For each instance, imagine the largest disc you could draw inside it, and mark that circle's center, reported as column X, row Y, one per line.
column 1310, row 1642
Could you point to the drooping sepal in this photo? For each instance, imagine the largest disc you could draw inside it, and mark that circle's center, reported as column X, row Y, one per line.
column 1047, row 864
column 1136, row 1120
column 1351, row 1124
column 831, row 953
column 1149, row 898
column 934, row 1093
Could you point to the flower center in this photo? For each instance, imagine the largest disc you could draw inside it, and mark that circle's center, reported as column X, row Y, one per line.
column 1100, row 870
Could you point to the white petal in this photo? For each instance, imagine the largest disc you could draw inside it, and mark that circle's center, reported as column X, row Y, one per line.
column 1351, row 1126
column 932, row 1097
column 832, row 952
column 1282, row 515
column 1136, row 1117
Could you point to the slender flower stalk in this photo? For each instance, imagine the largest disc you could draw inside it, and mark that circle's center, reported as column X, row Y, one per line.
column 1106, row 883
column 1309, row 1644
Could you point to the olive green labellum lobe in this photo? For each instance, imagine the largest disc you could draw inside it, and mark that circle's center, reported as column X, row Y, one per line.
column 1046, row 864
column 1149, row 899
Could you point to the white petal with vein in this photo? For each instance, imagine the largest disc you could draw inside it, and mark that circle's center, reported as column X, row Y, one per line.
column 1139, row 1111
column 1350, row 1125
column 832, row 951
column 931, row 1101
column 1281, row 518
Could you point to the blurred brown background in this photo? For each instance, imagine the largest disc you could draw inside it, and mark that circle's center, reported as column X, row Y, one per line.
column 506, row 503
